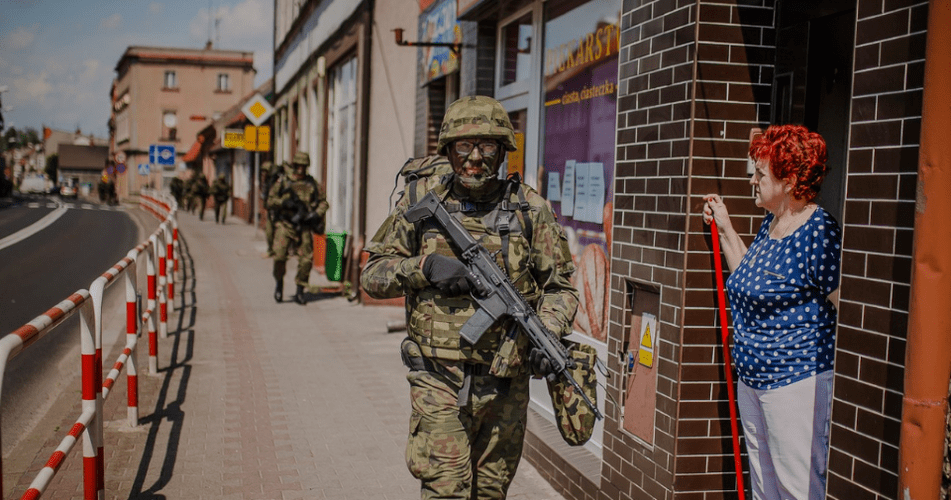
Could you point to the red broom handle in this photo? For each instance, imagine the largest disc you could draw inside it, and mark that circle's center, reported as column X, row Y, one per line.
column 727, row 365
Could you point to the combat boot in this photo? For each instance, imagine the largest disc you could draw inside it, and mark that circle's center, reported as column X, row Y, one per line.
column 299, row 296
column 279, row 291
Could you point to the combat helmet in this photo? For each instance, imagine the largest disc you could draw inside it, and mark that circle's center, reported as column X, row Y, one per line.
column 476, row 116
column 301, row 158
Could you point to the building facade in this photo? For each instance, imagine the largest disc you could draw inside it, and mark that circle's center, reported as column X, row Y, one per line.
column 627, row 113
column 165, row 96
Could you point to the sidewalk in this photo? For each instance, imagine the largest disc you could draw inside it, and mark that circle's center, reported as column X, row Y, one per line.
column 254, row 400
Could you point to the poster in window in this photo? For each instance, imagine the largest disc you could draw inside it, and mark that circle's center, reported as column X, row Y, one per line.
column 439, row 26
column 580, row 108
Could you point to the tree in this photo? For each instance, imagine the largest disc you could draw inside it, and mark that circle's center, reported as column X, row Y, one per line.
column 52, row 166
column 20, row 137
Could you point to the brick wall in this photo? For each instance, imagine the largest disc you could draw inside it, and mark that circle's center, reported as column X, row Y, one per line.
column 659, row 237
column 878, row 228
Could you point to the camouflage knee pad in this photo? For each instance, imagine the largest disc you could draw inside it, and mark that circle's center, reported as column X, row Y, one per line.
column 444, row 439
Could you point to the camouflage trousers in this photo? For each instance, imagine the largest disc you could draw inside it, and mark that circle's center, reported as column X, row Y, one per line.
column 301, row 243
column 221, row 211
column 448, row 444
column 269, row 233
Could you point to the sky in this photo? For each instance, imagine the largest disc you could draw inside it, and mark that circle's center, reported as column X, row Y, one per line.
column 58, row 57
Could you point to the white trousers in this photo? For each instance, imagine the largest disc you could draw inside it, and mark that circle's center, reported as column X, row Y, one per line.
column 787, row 437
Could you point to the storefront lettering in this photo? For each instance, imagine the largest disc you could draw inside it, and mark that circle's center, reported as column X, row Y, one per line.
column 588, row 92
column 582, row 51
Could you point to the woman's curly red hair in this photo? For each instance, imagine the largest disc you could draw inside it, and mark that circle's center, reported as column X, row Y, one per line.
column 793, row 152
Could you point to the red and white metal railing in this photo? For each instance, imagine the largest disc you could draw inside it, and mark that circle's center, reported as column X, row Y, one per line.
column 160, row 247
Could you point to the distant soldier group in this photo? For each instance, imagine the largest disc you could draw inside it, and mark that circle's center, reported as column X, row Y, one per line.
column 192, row 194
column 296, row 206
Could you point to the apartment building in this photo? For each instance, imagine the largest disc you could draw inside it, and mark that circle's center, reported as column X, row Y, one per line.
column 165, row 96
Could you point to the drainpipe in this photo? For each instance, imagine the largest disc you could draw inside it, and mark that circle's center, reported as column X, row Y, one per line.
column 928, row 352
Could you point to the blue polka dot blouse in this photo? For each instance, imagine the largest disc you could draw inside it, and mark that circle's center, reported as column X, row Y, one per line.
column 783, row 325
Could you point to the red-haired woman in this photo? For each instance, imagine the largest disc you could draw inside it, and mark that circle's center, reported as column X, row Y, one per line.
column 783, row 290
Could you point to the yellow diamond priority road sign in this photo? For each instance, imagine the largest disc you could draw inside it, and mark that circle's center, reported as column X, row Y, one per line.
column 257, row 109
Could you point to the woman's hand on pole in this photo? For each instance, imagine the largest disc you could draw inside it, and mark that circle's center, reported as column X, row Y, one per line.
column 714, row 208
column 731, row 244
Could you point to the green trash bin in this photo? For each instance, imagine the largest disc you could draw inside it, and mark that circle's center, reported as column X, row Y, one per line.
column 333, row 261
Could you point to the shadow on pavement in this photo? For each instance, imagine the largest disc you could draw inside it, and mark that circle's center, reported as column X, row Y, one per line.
column 180, row 370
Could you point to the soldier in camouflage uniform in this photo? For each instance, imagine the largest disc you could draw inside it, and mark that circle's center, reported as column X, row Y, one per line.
column 187, row 192
column 199, row 192
column 469, row 402
column 291, row 229
column 220, row 193
column 270, row 175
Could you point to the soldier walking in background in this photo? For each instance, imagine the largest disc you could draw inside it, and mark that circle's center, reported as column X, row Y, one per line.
column 177, row 188
column 300, row 206
column 221, row 192
column 187, row 191
column 469, row 402
column 200, row 192
column 271, row 174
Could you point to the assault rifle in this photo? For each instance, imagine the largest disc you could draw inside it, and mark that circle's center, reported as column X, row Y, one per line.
column 496, row 295
column 302, row 217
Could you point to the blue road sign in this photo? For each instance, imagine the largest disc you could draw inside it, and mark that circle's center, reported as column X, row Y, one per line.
column 161, row 155
column 143, row 169
column 165, row 154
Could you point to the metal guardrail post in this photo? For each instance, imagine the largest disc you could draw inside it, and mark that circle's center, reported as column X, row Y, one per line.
column 132, row 337
column 150, row 259
column 175, row 241
column 91, row 344
column 162, row 290
column 170, row 265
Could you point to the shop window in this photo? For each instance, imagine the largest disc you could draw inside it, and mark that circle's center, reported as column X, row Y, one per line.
column 341, row 142
column 169, row 126
column 516, row 48
column 171, row 80
column 579, row 67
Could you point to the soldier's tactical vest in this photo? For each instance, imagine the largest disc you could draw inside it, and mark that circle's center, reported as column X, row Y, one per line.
column 504, row 228
column 305, row 189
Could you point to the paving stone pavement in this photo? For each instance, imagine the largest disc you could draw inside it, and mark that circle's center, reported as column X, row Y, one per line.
column 253, row 399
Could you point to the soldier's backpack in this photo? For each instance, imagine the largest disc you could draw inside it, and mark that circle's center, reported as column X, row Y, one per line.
column 430, row 169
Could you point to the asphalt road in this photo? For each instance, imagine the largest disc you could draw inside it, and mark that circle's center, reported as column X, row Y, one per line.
column 35, row 275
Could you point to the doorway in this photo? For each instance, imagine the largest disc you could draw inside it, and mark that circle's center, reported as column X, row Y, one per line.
column 812, row 83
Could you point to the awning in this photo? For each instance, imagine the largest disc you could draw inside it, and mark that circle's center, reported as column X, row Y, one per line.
column 193, row 152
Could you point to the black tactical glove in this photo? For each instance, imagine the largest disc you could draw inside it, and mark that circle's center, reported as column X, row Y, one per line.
column 538, row 363
column 449, row 275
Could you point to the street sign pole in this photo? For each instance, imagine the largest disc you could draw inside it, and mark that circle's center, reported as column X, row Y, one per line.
column 257, row 110
column 257, row 192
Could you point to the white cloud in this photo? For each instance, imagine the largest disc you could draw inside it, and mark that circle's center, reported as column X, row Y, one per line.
column 112, row 22
column 21, row 37
column 244, row 26
column 31, row 88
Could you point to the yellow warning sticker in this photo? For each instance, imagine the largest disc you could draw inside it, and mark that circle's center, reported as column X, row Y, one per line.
column 648, row 340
